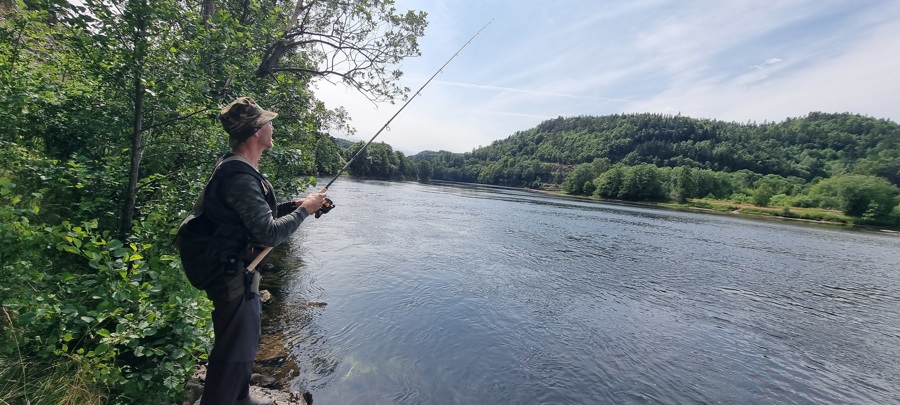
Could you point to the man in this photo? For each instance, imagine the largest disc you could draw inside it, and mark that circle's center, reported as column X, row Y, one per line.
column 239, row 205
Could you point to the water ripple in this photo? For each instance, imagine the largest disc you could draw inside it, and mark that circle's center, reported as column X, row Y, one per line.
column 445, row 295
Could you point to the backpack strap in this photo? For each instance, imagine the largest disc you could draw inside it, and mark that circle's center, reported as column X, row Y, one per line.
column 197, row 209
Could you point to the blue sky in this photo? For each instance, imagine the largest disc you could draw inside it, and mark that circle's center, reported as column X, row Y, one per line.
column 735, row 60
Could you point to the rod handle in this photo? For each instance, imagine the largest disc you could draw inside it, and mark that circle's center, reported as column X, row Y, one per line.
column 262, row 255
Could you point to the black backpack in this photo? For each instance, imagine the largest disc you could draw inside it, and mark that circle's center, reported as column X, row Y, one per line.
column 208, row 249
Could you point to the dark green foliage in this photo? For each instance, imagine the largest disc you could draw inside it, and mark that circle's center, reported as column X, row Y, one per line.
column 661, row 157
column 610, row 182
column 636, row 183
column 108, row 131
column 683, row 185
column 857, row 195
column 379, row 161
column 818, row 145
column 118, row 311
column 762, row 195
column 642, row 182
column 581, row 179
column 424, row 171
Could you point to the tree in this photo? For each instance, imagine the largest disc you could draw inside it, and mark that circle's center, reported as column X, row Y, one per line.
column 166, row 62
column 609, row 184
column 683, row 184
column 641, row 182
column 328, row 155
column 109, row 126
column 424, row 170
column 762, row 195
column 580, row 179
column 856, row 195
column 355, row 41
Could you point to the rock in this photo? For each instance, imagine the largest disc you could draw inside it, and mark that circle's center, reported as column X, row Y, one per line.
column 260, row 386
column 280, row 397
column 268, row 268
column 262, row 381
column 271, row 361
column 194, row 390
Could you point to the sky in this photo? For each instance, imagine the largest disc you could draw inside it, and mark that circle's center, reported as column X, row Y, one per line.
column 736, row 60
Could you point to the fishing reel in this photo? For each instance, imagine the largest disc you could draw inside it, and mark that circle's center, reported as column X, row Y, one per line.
column 326, row 206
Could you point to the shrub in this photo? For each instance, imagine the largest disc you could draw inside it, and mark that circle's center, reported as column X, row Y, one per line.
column 120, row 313
column 856, row 195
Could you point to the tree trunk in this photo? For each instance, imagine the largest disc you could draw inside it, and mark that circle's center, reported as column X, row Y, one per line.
column 136, row 151
column 128, row 209
column 271, row 58
column 207, row 10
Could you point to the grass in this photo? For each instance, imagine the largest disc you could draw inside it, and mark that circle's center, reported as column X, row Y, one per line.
column 42, row 383
column 808, row 214
column 733, row 207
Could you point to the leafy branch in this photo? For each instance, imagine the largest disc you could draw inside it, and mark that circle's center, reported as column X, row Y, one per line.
column 350, row 41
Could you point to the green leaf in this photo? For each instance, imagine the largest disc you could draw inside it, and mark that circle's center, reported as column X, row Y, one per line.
column 101, row 349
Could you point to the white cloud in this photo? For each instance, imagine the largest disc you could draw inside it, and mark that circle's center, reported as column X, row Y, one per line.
column 738, row 61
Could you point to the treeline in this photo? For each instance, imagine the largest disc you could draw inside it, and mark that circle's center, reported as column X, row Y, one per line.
column 871, row 199
column 380, row 161
column 845, row 162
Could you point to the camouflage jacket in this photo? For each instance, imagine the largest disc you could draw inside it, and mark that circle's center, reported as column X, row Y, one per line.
column 242, row 204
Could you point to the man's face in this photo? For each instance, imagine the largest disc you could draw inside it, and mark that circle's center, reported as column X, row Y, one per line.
column 265, row 135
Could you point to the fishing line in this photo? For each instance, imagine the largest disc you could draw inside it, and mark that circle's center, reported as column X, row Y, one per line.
column 402, row 107
column 328, row 205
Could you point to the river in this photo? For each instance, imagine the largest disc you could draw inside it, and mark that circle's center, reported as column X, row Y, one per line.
column 453, row 294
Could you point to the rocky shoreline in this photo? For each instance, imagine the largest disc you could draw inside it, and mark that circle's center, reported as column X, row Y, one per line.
column 261, row 385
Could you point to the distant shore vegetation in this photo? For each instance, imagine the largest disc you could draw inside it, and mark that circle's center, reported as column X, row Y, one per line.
column 835, row 167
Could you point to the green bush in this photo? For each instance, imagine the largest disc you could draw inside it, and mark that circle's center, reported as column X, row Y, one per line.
column 780, row 200
column 857, row 195
column 762, row 196
column 121, row 313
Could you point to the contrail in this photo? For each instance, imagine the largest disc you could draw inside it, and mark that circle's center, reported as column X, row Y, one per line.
column 538, row 92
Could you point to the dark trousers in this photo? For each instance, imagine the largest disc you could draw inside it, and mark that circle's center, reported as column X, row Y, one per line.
column 236, row 324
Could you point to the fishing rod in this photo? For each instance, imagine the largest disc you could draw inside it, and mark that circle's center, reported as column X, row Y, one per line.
column 401, row 108
column 328, row 205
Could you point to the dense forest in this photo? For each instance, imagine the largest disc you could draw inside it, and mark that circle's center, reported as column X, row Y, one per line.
column 108, row 131
column 844, row 162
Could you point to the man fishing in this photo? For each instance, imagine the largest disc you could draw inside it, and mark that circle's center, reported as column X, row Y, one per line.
column 238, row 209
column 239, row 204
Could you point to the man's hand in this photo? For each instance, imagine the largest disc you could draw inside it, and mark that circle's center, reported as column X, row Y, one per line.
column 312, row 202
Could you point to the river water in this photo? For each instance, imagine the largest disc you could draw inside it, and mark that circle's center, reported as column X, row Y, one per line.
column 450, row 294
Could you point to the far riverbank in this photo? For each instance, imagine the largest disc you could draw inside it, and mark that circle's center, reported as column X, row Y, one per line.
column 808, row 215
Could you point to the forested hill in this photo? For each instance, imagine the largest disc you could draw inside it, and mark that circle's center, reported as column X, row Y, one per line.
column 819, row 145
